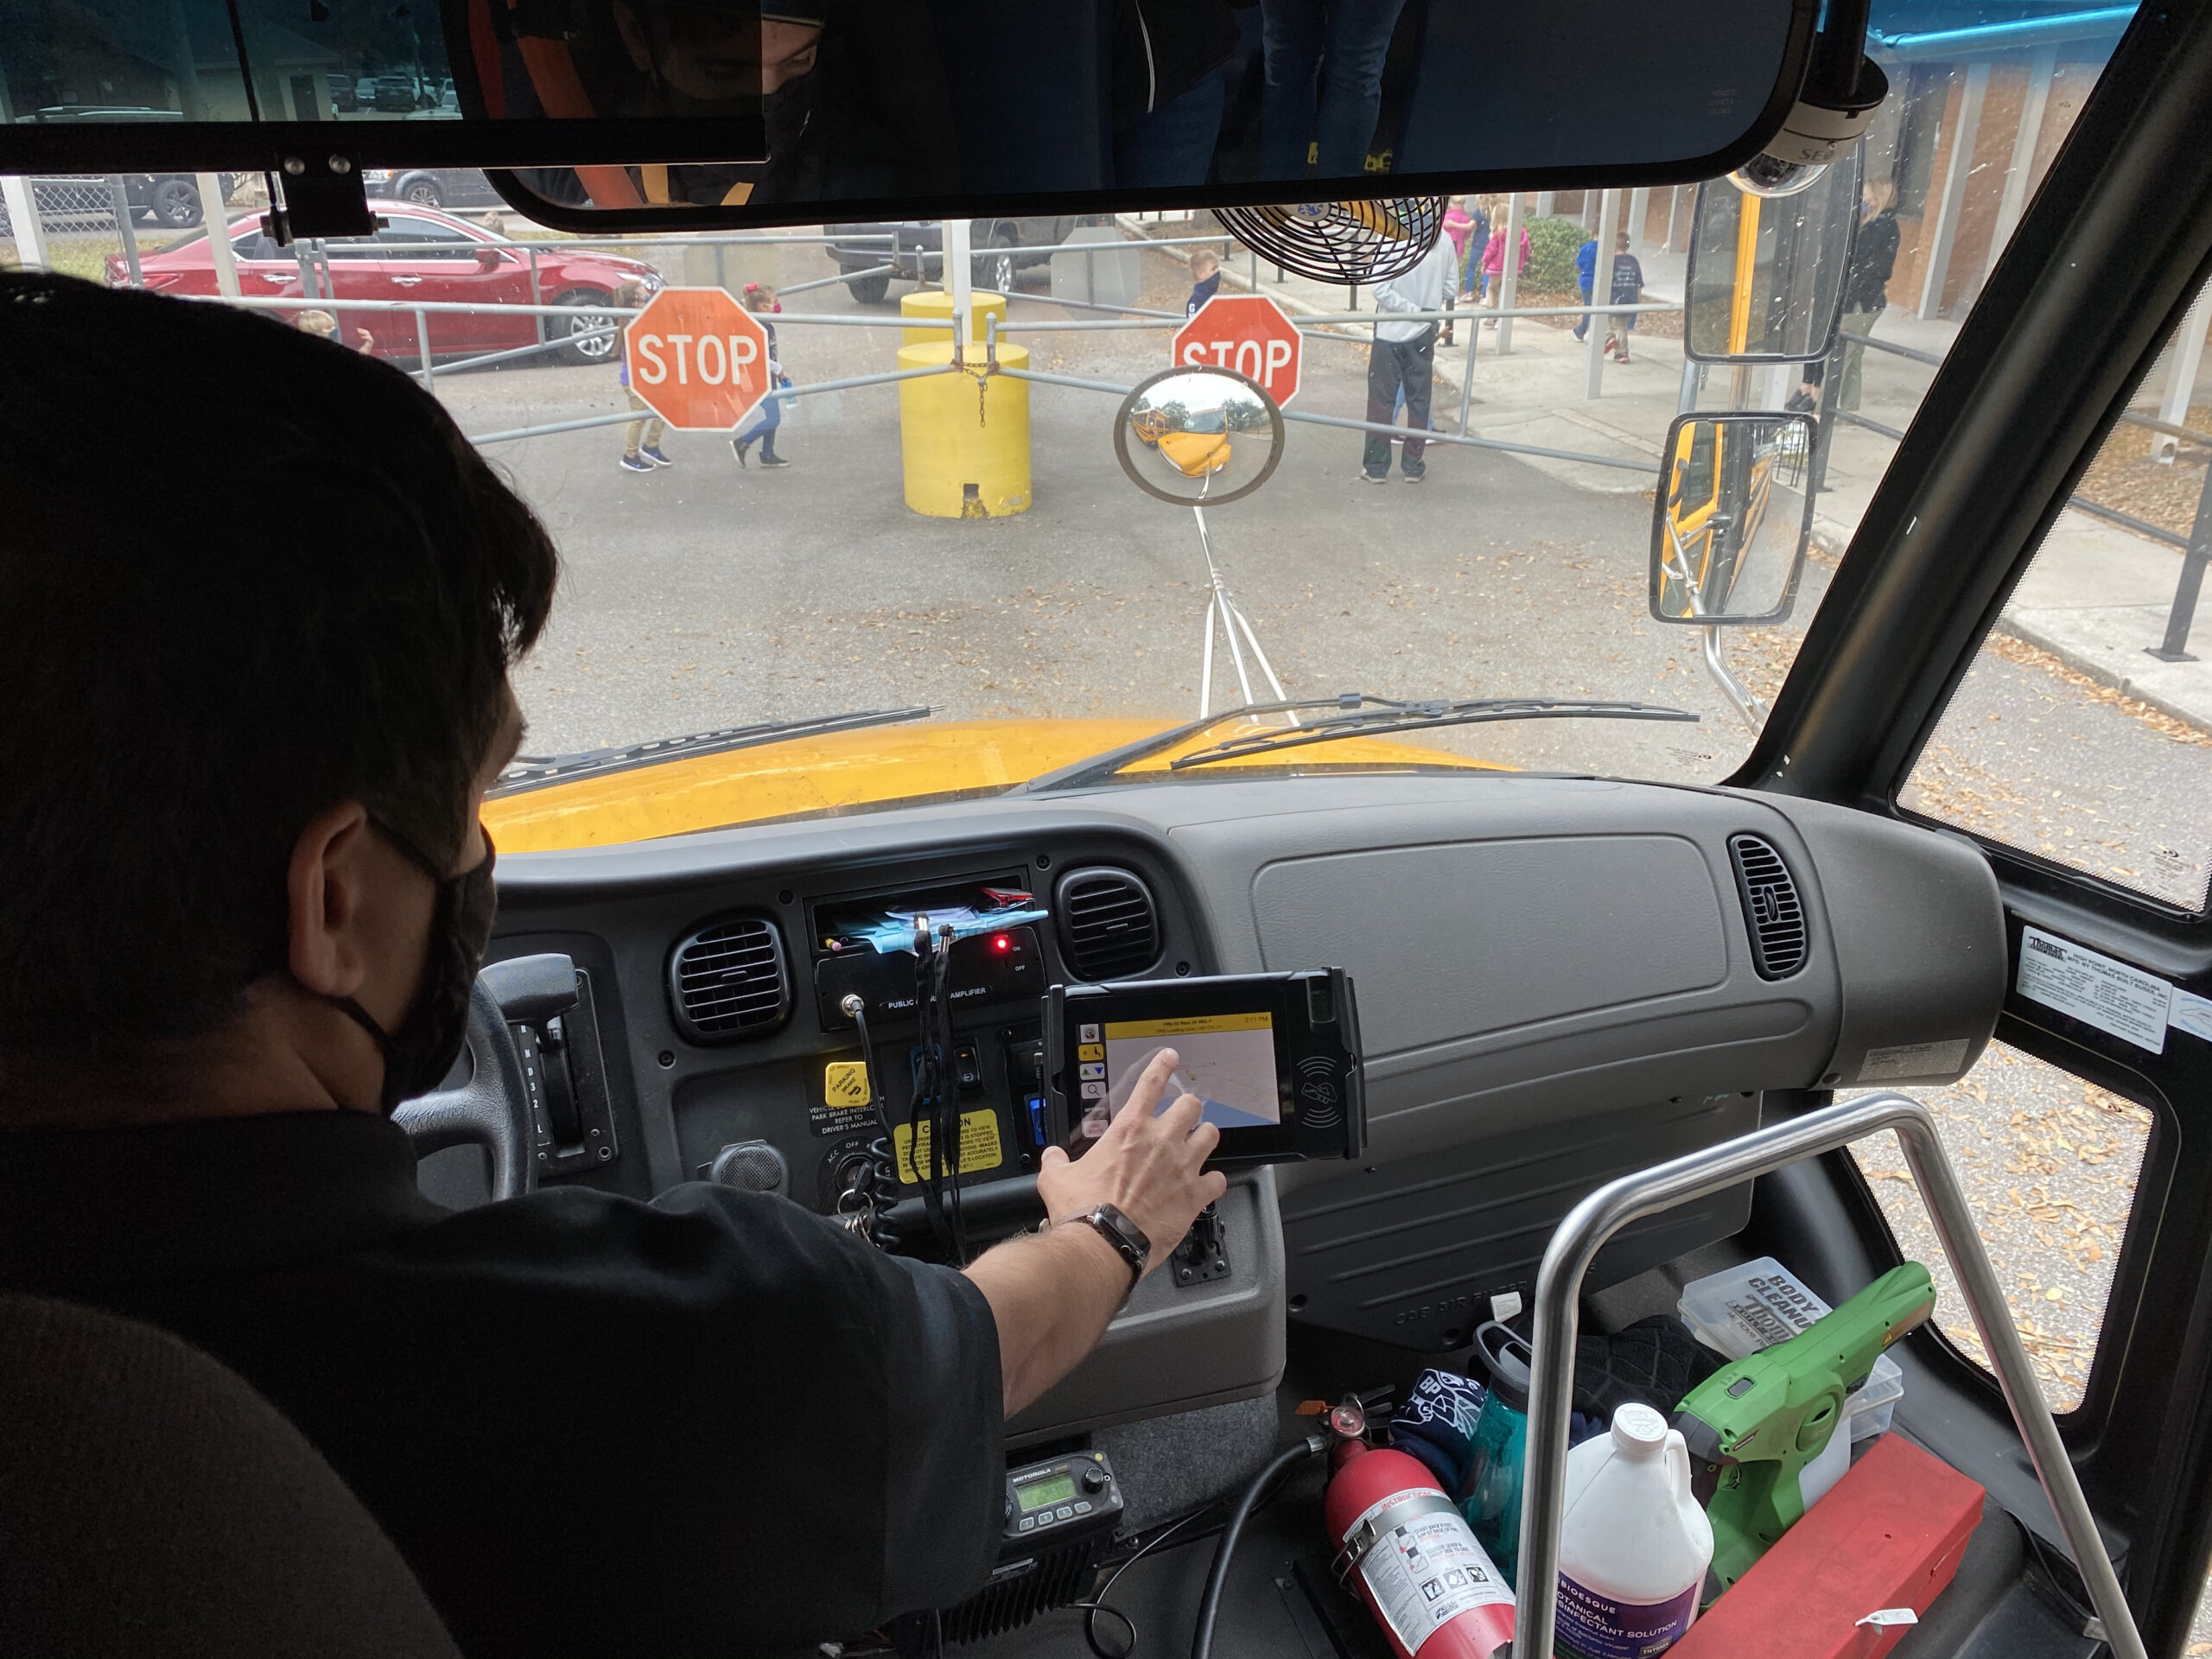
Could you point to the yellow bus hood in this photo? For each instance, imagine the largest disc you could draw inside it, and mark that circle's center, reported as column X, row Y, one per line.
column 852, row 771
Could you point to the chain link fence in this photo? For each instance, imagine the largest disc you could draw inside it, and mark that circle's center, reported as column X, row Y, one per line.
column 84, row 220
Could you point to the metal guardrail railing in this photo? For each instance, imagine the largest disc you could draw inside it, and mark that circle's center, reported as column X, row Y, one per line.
column 1578, row 1239
column 2196, row 548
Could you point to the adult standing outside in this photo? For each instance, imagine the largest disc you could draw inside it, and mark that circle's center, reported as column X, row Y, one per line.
column 1403, row 361
column 1304, row 42
column 760, row 300
column 1866, row 292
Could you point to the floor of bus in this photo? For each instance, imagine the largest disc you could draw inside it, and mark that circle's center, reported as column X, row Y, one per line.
column 1280, row 1601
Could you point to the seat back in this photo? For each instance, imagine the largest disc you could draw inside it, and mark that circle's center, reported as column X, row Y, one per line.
column 151, row 1503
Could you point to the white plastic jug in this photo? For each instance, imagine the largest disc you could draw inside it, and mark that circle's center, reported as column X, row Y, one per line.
column 1634, row 1545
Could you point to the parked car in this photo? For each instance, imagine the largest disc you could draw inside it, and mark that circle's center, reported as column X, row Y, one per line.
column 432, row 187
column 345, row 94
column 915, row 253
column 423, row 255
column 171, row 200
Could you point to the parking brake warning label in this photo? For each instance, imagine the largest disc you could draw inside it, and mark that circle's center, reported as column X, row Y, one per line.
column 2096, row 989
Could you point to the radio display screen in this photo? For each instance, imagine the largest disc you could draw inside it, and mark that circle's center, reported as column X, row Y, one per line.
column 1041, row 1494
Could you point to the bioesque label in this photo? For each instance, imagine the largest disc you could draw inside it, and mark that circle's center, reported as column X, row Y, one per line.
column 1593, row 1626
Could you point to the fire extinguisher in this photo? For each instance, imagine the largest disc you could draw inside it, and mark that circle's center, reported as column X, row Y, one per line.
column 1418, row 1569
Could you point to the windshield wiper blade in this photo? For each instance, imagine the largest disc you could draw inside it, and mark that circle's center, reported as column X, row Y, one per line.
column 1358, row 712
column 530, row 772
column 1388, row 715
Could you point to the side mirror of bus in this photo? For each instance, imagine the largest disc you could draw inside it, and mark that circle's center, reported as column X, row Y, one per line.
column 1766, row 273
column 1731, row 519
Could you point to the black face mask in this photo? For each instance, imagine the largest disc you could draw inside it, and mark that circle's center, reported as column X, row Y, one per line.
column 423, row 1049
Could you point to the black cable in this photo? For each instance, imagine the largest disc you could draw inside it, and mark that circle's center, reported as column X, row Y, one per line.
column 1097, row 1604
column 1210, row 1604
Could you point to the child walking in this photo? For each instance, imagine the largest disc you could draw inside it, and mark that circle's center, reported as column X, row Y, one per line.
column 641, row 438
column 760, row 300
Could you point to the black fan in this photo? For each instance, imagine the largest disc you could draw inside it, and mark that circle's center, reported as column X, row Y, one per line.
column 1350, row 242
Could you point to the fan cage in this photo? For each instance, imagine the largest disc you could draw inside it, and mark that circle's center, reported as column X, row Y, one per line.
column 1355, row 242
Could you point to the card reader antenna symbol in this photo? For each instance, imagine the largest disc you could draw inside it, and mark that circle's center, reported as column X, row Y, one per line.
column 1318, row 1091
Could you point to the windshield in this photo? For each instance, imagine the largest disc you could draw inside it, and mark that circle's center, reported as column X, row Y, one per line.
column 900, row 582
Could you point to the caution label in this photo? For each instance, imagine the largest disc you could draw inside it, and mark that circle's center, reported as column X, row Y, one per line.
column 979, row 1146
column 1428, row 1572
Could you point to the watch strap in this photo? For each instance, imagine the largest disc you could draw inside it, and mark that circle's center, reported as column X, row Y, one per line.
column 1124, row 1235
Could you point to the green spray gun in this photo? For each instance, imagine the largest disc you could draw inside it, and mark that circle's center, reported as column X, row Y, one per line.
column 1754, row 1425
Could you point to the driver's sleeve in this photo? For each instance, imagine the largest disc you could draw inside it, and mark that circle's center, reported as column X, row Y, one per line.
column 905, row 1397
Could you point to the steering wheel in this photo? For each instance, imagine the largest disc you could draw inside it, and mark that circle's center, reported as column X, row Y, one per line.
column 490, row 1110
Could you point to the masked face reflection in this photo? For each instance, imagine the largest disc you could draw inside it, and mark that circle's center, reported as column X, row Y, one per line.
column 705, row 58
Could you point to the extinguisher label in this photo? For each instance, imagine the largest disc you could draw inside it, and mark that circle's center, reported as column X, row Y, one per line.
column 1595, row 1626
column 1428, row 1570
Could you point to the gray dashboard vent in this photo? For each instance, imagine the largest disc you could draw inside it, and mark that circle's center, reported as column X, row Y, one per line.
column 1771, row 904
column 1109, row 928
column 729, row 981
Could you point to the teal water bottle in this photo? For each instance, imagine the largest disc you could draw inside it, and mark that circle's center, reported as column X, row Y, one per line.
column 1492, row 1501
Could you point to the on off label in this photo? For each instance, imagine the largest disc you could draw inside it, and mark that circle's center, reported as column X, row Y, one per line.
column 979, row 1146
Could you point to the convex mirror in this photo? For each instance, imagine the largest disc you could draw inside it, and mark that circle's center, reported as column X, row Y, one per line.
column 1732, row 518
column 1198, row 436
column 1766, row 273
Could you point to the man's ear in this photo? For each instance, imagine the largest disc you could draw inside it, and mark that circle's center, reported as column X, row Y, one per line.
column 634, row 38
column 326, row 887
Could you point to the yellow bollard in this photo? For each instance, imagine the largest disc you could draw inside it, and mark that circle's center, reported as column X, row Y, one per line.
column 966, row 456
column 936, row 302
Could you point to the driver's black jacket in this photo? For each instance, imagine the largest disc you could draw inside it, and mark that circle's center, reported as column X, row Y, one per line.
column 713, row 1424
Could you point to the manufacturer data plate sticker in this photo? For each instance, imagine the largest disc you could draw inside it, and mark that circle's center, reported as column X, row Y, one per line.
column 2109, row 994
column 1426, row 1572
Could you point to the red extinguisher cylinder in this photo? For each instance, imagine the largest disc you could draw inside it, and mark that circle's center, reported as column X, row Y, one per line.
column 1417, row 1566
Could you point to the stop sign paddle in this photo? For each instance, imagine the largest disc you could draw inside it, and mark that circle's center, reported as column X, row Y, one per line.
column 1248, row 333
column 698, row 358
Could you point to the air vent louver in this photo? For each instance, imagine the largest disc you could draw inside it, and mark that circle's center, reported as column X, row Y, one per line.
column 1771, row 904
column 729, row 981
column 1109, row 927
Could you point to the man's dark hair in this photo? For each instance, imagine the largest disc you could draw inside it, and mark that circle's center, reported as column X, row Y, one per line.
column 244, row 574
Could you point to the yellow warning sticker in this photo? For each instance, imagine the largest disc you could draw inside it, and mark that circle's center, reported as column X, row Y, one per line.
column 845, row 1082
column 979, row 1146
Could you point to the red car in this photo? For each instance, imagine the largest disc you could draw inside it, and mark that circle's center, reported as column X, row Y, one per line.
column 421, row 255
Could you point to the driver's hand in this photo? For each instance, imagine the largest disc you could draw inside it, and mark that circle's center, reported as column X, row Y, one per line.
column 1147, row 1166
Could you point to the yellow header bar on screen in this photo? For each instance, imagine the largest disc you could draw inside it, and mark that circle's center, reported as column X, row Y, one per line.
column 1189, row 1025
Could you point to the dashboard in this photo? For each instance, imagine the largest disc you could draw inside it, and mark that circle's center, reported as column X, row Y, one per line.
column 1559, row 980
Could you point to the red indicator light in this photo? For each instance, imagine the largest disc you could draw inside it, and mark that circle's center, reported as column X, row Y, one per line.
column 1000, row 942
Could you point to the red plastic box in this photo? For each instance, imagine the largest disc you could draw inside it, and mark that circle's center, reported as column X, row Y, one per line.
column 1889, row 1535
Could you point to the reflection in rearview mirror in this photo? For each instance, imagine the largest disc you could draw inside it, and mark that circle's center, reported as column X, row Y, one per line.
column 1732, row 519
column 897, row 108
column 1766, row 273
column 1198, row 436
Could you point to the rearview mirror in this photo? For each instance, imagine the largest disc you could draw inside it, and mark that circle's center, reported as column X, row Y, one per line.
column 1198, row 436
column 1727, row 539
column 1766, row 273
column 900, row 109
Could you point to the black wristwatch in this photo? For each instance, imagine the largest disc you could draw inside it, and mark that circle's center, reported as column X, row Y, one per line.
column 1124, row 1235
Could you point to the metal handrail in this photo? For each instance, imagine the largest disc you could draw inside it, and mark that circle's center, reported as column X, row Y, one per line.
column 1699, row 1174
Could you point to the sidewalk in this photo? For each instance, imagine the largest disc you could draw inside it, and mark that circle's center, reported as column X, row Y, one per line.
column 2096, row 596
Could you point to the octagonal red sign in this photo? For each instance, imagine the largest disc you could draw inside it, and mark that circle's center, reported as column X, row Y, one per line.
column 1248, row 333
column 698, row 358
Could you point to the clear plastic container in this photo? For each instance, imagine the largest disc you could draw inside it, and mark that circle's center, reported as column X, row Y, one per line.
column 1761, row 1303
